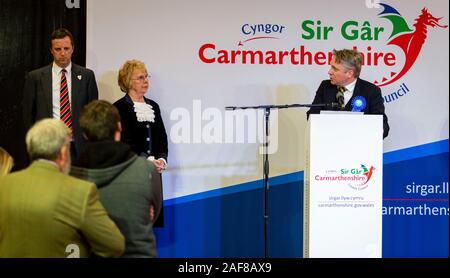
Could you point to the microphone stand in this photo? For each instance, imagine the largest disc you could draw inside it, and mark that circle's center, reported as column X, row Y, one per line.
column 267, row 109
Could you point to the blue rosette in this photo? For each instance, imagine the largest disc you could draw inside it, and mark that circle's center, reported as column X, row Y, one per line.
column 358, row 104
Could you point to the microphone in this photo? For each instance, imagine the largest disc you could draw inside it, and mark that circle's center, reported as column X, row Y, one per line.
column 333, row 105
column 340, row 99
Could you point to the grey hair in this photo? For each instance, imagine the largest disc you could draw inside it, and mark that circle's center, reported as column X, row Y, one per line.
column 349, row 58
column 46, row 138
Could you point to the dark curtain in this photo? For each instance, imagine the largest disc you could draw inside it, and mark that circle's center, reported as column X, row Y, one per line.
column 25, row 29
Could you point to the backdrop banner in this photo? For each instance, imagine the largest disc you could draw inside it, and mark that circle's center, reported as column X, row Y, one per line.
column 205, row 55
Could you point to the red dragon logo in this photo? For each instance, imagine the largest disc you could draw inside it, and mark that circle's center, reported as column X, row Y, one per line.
column 410, row 41
column 367, row 173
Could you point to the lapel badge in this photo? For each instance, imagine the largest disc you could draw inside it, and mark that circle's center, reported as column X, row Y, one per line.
column 79, row 77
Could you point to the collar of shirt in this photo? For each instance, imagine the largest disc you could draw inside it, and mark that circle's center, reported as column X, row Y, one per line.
column 57, row 69
column 48, row 162
column 349, row 93
column 350, row 87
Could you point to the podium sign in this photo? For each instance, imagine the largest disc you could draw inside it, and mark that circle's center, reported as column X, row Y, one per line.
column 343, row 186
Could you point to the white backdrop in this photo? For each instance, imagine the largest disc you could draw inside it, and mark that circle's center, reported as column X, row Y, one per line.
column 167, row 36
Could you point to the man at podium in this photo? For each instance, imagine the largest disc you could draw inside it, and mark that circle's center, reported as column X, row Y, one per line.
column 346, row 91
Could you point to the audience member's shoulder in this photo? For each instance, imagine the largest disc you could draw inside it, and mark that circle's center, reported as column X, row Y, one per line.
column 144, row 164
column 13, row 176
column 76, row 183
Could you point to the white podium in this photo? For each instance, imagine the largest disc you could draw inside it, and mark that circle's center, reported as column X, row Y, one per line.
column 343, row 186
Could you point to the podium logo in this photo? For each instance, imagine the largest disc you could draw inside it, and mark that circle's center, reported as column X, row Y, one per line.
column 357, row 178
column 367, row 173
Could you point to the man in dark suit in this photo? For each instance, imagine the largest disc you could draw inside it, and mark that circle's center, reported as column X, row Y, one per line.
column 60, row 86
column 347, row 90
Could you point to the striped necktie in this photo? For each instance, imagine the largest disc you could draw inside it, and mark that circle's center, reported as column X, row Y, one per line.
column 340, row 96
column 64, row 102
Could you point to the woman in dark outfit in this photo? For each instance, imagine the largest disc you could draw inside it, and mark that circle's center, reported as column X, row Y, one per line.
column 142, row 125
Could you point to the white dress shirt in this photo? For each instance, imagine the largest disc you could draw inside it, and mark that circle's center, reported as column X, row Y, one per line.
column 349, row 93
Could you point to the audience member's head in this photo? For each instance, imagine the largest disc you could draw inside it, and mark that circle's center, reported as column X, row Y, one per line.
column 100, row 121
column 50, row 139
column 126, row 72
column 6, row 162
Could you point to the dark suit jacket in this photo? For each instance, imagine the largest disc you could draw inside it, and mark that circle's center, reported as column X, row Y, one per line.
column 37, row 97
column 135, row 133
column 326, row 94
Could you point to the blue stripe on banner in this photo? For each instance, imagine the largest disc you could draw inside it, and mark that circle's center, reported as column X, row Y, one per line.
column 390, row 157
column 229, row 222
column 416, row 152
column 274, row 181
